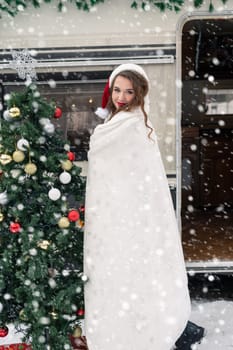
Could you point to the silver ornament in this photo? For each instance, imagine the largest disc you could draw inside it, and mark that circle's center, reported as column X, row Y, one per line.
column 7, row 116
column 54, row 194
column 65, row 177
column 22, row 144
column 49, row 128
column 3, row 198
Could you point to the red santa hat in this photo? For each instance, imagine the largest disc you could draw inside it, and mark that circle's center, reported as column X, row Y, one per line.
column 102, row 111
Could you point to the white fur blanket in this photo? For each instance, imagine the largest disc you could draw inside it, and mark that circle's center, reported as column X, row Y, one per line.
column 137, row 296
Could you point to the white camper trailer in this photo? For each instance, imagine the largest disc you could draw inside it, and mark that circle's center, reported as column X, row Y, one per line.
column 188, row 58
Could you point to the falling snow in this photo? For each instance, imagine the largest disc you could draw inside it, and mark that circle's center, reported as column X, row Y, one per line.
column 67, row 30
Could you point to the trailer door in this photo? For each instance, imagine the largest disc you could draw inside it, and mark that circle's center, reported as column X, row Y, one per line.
column 205, row 129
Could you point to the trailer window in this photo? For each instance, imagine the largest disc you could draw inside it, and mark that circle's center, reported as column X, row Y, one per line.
column 206, row 71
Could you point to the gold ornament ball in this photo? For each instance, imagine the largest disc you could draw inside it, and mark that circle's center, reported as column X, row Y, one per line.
column 52, row 272
column 30, row 168
column 22, row 315
column 63, row 222
column 43, row 244
column 54, row 315
column 77, row 332
column 14, row 112
column 5, row 159
column 80, row 223
column 1, row 217
column 27, row 257
column 18, row 156
column 66, row 164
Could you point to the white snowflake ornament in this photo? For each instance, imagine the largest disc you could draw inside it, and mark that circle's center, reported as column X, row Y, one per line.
column 24, row 64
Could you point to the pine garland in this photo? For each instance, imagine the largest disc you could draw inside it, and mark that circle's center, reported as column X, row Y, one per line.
column 172, row 5
column 13, row 7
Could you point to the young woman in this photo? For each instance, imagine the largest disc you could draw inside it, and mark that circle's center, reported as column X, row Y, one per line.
column 136, row 297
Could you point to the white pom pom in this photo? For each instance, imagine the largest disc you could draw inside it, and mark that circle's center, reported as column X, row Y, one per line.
column 65, row 177
column 49, row 128
column 41, row 140
column 102, row 112
column 7, row 117
column 67, row 147
column 15, row 173
column 54, row 194
column 44, row 121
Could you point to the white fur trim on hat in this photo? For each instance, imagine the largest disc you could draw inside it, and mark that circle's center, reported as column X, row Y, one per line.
column 135, row 68
column 127, row 66
column 102, row 112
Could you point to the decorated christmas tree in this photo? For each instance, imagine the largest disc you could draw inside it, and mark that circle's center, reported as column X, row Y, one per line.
column 41, row 225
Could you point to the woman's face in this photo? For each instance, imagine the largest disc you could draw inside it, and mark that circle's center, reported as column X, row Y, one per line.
column 122, row 92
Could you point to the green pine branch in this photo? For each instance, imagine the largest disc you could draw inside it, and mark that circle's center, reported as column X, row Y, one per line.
column 171, row 5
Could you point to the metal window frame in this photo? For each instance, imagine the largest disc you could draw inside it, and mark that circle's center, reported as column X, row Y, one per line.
column 94, row 56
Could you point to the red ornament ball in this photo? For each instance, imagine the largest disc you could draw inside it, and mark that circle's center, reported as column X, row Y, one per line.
column 80, row 312
column 71, row 156
column 15, row 227
column 73, row 215
column 57, row 113
column 3, row 331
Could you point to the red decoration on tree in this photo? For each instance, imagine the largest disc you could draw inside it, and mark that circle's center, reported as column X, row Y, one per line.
column 57, row 113
column 3, row 331
column 71, row 156
column 18, row 346
column 80, row 312
column 73, row 215
column 15, row 227
column 81, row 208
column 78, row 343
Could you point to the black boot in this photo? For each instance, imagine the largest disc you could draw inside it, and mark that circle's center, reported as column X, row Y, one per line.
column 191, row 335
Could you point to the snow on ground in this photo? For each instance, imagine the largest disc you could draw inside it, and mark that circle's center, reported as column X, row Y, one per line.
column 217, row 319
column 215, row 316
